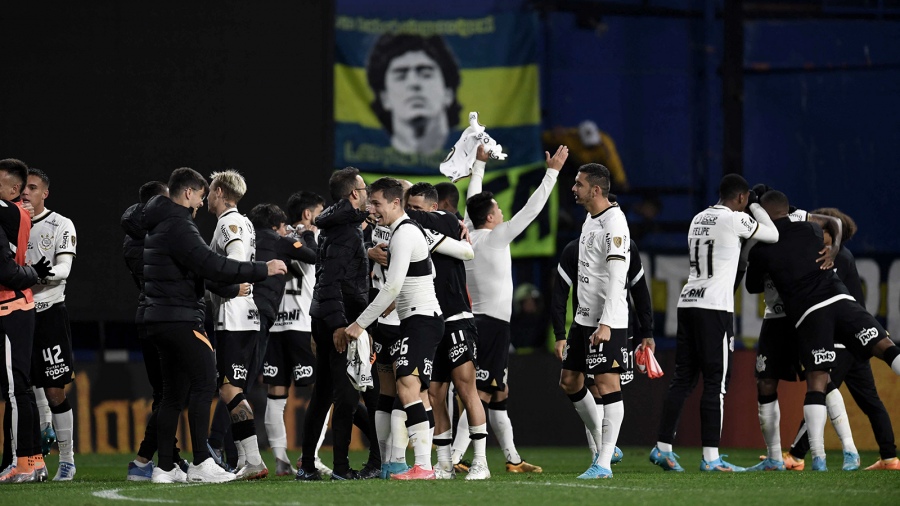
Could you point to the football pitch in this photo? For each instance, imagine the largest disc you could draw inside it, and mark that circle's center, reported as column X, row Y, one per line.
column 101, row 480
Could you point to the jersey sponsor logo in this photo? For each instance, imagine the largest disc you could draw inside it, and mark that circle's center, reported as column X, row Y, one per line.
column 395, row 348
column 253, row 314
column 693, row 294
column 285, row 316
column 57, row 371
column 626, row 377
column 583, row 279
column 865, row 336
column 402, row 361
column 617, row 241
column 595, row 359
column 270, row 371
column 822, row 356
column 706, row 219
column 57, row 368
column 482, row 375
column 429, row 239
column 52, row 222
column 747, row 222
column 583, row 311
column 64, row 240
column 377, row 347
column 40, row 306
column 427, row 369
column 240, row 372
column 457, row 351
column 302, row 371
column 760, row 363
column 224, row 231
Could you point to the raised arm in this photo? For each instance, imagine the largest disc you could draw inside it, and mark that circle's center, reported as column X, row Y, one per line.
column 765, row 231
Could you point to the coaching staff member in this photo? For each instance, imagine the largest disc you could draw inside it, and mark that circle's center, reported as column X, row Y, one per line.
column 176, row 262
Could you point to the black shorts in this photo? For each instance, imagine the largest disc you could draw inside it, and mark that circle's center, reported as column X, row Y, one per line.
column 493, row 354
column 778, row 354
column 456, row 348
column 420, row 336
column 386, row 342
column 844, row 321
column 580, row 356
column 234, row 356
column 289, row 355
column 51, row 357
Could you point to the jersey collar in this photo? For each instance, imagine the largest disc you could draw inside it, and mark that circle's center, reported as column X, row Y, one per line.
column 595, row 216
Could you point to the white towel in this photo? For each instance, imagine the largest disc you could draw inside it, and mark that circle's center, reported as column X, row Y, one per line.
column 459, row 161
column 359, row 365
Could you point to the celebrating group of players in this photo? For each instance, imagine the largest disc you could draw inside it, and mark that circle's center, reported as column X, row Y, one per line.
column 307, row 295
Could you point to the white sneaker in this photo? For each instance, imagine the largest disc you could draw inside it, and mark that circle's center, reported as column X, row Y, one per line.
column 252, row 471
column 65, row 472
column 444, row 474
column 176, row 475
column 207, row 472
column 478, row 471
column 322, row 468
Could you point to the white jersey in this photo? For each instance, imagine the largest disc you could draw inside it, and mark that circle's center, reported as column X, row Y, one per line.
column 604, row 238
column 239, row 313
column 714, row 243
column 382, row 235
column 293, row 313
column 774, row 304
column 52, row 236
column 410, row 276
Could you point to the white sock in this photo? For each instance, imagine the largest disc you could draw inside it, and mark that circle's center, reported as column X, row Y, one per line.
column 770, row 424
column 251, row 450
column 141, row 465
column 592, row 446
column 664, row 447
column 815, row 415
column 383, row 432
column 895, row 365
column 461, row 441
column 64, row 423
column 43, row 406
column 322, row 433
column 479, row 445
column 503, row 430
column 399, row 435
column 419, row 436
column 242, row 454
column 587, row 411
column 275, row 429
column 443, row 451
column 834, row 403
column 614, row 413
column 710, row 453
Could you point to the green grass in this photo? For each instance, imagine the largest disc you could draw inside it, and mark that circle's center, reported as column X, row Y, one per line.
column 101, row 480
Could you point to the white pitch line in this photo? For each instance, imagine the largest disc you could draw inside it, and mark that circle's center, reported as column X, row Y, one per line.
column 114, row 495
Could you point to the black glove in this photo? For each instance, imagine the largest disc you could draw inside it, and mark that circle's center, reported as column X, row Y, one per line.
column 752, row 198
column 42, row 267
column 761, row 189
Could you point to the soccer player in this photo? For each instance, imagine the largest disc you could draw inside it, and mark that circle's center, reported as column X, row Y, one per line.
column 176, row 261
column 820, row 308
column 598, row 341
column 409, row 282
column 448, row 198
column 705, row 340
column 489, row 278
column 21, row 422
column 237, row 320
column 52, row 368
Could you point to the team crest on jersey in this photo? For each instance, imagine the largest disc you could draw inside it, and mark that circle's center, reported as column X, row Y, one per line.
column 46, row 242
column 760, row 363
column 617, row 241
column 233, row 228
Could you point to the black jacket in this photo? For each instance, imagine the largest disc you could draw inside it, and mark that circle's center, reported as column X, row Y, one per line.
column 450, row 273
column 133, row 250
column 176, row 261
column 342, row 267
column 270, row 246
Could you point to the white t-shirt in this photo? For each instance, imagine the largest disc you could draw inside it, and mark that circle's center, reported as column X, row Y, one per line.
column 605, row 238
column 774, row 304
column 239, row 313
column 714, row 247
column 293, row 313
column 52, row 236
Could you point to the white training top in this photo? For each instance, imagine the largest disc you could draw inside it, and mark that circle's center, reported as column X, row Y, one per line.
column 52, row 236
column 774, row 304
column 603, row 260
column 410, row 276
column 714, row 243
column 293, row 313
column 239, row 313
column 489, row 274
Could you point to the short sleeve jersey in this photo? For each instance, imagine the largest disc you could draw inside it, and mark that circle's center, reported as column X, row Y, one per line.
column 293, row 314
column 239, row 313
column 714, row 247
column 774, row 304
column 52, row 236
column 604, row 238
column 382, row 235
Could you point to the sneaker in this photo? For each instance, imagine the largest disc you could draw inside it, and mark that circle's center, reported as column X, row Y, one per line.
column 720, row 466
column 369, row 472
column 389, row 468
column 15, row 475
column 252, row 472
column 462, row 466
column 208, row 471
column 851, row 461
column 444, row 474
column 43, row 475
column 349, row 475
column 321, row 467
column 885, row 465
column 617, row 456
column 767, row 465
column 791, row 462
column 819, row 464
column 665, row 460
column 592, row 472
column 523, row 467
column 176, row 475
column 138, row 473
column 8, row 470
column 304, row 475
column 416, row 472
column 218, row 456
column 283, row 468
column 65, row 472
column 183, row 464
column 48, row 437
column 478, row 471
